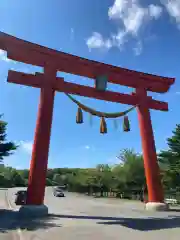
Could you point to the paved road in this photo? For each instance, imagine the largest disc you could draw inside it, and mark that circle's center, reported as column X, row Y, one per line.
column 7, row 218
column 80, row 217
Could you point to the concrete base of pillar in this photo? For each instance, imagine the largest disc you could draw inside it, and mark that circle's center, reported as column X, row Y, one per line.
column 156, row 206
column 31, row 211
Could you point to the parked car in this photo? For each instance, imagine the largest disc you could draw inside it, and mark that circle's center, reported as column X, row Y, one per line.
column 171, row 201
column 20, row 198
column 57, row 191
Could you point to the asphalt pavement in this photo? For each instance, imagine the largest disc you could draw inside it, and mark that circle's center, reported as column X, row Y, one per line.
column 81, row 217
column 8, row 217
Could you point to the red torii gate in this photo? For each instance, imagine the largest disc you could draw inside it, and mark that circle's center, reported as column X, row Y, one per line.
column 53, row 61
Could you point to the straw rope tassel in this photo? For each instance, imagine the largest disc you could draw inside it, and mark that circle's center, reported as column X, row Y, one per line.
column 126, row 124
column 79, row 116
column 103, row 126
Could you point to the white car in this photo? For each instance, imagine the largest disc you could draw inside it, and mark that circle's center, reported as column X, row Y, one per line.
column 57, row 192
column 171, row 201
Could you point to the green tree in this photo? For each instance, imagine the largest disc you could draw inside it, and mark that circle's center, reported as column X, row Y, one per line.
column 57, row 178
column 170, row 160
column 17, row 180
column 24, row 173
column 48, row 182
column 6, row 148
column 131, row 170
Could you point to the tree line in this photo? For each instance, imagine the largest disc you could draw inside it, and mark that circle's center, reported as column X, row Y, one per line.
column 125, row 179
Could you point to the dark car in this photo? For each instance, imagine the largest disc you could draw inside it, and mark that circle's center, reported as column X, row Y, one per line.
column 57, row 191
column 20, row 198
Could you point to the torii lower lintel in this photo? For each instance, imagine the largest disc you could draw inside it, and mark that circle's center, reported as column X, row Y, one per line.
column 36, row 80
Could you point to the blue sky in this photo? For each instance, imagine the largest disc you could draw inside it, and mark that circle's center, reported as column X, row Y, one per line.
column 140, row 35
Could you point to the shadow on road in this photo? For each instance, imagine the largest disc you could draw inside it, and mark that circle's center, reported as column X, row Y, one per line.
column 141, row 224
column 174, row 210
column 147, row 224
column 10, row 220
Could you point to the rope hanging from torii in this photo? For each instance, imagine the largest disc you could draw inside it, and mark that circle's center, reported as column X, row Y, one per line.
column 102, row 115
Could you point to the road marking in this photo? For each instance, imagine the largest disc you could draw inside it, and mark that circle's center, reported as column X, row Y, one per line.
column 11, row 208
column 20, row 234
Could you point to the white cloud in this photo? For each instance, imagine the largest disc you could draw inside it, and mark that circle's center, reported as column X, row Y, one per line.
column 115, row 11
column 18, row 167
column 72, row 30
column 113, row 161
column 3, row 56
column 119, row 39
column 87, row 147
column 138, row 48
column 158, row 151
column 130, row 16
column 154, row 11
column 72, row 33
column 97, row 41
column 26, row 146
column 173, row 8
column 129, row 13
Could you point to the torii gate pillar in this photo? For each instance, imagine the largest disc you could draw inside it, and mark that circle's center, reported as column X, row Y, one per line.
column 39, row 160
column 152, row 172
